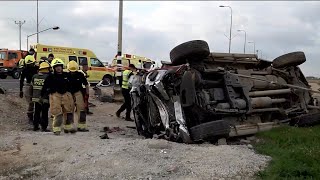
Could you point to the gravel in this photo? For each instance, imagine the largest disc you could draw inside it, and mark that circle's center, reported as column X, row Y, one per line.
column 38, row 155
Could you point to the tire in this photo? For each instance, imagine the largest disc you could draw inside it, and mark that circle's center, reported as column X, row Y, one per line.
column 107, row 80
column 195, row 50
column 290, row 59
column 210, row 130
column 15, row 74
column 306, row 120
column 3, row 76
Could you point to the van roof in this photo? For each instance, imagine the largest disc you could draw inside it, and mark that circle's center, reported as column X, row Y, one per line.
column 41, row 48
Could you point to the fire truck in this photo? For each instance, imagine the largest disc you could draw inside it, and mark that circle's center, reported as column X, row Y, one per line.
column 9, row 60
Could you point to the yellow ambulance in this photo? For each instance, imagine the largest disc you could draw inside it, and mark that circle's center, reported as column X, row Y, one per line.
column 139, row 62
column 97, row 71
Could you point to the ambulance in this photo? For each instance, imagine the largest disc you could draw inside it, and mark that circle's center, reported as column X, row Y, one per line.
column 139, row 62
column 97, row 71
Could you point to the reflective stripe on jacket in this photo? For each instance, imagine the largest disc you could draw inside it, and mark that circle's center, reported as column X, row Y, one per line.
column 37, row 85
column 125, row 79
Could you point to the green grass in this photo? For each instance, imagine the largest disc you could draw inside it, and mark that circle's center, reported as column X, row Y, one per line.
column 295, row 153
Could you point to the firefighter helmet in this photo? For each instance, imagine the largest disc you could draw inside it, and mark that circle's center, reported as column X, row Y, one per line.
column 44, row 65
column 72, row 66
column 57, row 62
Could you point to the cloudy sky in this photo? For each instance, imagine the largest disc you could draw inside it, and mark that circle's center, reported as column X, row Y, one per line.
column 153, row 28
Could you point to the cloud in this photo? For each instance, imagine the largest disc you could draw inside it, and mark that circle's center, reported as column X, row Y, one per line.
column 153, row 28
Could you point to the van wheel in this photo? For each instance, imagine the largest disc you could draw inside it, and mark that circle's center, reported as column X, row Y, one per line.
column 3, row 76
column 15, row 74
column 107, row 80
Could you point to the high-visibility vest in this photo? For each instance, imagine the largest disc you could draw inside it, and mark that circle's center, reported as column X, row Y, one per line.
column 125, row 79
column 37, row 84
column 21, row 63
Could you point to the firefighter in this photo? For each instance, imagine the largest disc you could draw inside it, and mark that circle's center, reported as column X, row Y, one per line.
column 126, row 92
column 41, row 103
column 77, row 79
column 61, row 101
column 29, row 69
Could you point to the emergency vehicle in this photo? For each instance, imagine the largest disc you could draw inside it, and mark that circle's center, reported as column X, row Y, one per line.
column 8, row 63
column 96, row 72
column 138, row 61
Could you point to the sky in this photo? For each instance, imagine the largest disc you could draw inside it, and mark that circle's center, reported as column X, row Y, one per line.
column 153, row 28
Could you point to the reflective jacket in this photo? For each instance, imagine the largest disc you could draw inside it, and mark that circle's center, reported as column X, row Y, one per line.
column 125, row 79
column 37, row 85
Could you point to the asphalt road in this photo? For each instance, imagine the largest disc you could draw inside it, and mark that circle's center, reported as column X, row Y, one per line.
column 10, row 85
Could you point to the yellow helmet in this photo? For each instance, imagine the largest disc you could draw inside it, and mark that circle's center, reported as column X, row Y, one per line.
column 57, row 62
column 44, row 65
column 72, row 66
column 29, row 59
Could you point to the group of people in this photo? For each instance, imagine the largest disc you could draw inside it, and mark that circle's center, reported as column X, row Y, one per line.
column 65, row 94
column 49, row 87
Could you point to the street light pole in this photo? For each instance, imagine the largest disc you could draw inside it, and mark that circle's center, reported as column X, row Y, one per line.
column 245, row 40
column 230, row 27
column 20, row 23
column 53, row 28
column 254, row 46
column 37, row 21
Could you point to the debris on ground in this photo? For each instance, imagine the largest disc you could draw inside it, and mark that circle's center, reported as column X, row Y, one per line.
column 104, row 136
column 2, row 90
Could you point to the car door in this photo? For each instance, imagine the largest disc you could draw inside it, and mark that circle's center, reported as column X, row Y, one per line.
column 98, row 69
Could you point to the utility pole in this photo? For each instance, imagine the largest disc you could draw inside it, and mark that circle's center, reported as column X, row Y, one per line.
column 20, row 23
column 37, row 21
column 119, row 53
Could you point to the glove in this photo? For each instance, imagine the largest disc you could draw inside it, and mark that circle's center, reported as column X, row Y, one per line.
column 21, row 94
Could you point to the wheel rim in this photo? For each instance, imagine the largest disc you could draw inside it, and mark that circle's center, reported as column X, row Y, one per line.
column 106, row 81
column 16, row 74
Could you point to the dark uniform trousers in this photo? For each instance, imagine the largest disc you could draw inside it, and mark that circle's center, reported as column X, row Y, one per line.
column 41, row 115
column 127, row 102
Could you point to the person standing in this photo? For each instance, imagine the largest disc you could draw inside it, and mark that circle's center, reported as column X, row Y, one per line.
column 61, row 101
column 126, row 92
column 29, row 69
column 41, row 103
column 77, row 80
column 50, row 57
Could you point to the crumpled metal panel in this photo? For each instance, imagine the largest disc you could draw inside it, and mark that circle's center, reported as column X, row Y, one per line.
column 179, row 115
column 159, row 77
column 160, row 88
column 164, row 115
column 158, row 84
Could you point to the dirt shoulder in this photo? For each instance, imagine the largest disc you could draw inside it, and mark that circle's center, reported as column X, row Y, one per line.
column 36, row 155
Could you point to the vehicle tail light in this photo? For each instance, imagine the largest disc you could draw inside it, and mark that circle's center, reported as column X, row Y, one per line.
column 45, row 49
